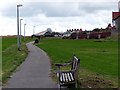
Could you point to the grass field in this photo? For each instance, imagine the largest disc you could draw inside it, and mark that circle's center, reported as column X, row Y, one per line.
column 8, row 41
column 99, row 57
column 11, row 57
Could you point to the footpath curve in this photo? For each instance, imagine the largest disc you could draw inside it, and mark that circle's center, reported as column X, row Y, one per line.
column 34, row 72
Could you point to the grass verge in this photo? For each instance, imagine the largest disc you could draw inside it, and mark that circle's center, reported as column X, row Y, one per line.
column 99, row 59
column 11, row 57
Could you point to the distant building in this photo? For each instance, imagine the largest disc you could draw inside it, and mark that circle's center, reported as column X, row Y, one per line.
column 49, row 30
column 43, row 33
column 116, row 18
column 94, row 34
column 48, row 33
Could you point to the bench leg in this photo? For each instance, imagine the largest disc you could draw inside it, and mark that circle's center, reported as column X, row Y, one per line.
column 76, row 84
column 59, row 86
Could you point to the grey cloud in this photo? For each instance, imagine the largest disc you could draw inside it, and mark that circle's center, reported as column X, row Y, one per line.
column 54, row 9
column 57, row 9
column 49, row 9
column 93, row 7
column 9, row 11
column 25, row 10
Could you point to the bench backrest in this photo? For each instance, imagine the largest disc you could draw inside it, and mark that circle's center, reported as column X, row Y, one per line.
column 75, row 66
column 75, row 63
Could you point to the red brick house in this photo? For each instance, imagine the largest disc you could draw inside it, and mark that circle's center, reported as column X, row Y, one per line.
column 116, row 19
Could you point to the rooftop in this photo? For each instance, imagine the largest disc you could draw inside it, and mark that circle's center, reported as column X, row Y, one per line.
column 115, row 15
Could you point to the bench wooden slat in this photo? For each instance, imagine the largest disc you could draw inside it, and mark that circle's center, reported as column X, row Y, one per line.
column 61, row 79
column 68, row 76
column 63, row 76
column 71, row 76
column 66, row 80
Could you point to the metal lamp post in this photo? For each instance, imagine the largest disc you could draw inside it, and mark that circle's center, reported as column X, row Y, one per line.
column 18, row 40
column 33, row 30
column 20, row 30
column 24, row 32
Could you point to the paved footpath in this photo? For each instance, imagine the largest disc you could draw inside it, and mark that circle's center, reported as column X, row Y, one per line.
column 34, row 72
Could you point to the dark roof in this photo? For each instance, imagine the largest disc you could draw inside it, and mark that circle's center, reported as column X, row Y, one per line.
column 115, row 15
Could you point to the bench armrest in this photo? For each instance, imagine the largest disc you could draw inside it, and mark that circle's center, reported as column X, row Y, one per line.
column 62, row 64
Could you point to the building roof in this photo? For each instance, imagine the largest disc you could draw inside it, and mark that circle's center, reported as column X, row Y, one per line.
column 115, row 15
column 41, row 33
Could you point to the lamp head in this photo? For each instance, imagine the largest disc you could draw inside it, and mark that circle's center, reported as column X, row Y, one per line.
column 21, row 19
column 20, row 5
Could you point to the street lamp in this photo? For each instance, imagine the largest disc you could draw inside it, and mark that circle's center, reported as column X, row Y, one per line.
column 33, row 30
column 20, row 30
column 24, row 32
column 18, row 40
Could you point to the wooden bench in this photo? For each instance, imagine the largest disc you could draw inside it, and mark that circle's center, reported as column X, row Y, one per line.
column 68, row 77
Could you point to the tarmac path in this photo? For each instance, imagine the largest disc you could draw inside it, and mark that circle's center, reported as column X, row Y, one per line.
column 34, row 72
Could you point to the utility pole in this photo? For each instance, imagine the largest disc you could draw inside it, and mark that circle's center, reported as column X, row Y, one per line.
column 18, row 36
column 20, row 30
column 33, row 30
column 24, row 32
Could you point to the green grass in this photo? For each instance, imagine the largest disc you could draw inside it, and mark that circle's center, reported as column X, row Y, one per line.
column 96, row 56
column 11, row 57
column 8, row 41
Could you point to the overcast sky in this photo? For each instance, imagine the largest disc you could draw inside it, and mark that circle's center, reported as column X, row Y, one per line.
column 59, row 15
